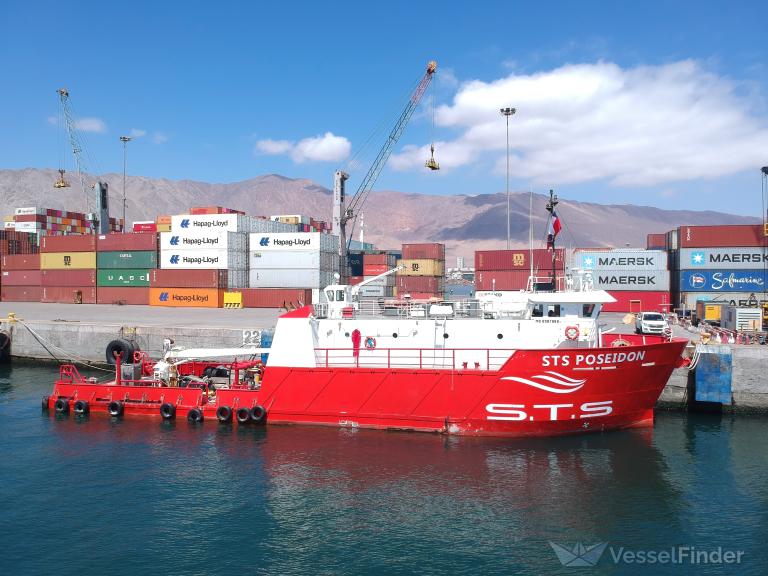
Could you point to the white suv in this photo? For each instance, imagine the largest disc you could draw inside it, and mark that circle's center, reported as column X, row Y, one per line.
column 650, row 323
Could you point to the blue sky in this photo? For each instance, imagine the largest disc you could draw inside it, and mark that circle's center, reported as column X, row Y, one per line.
column 659, row 103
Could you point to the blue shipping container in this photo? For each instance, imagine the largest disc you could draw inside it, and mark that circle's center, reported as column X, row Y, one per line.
column 723, row 280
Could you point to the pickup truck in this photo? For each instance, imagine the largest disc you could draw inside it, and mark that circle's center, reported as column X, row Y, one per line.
column 650, row 323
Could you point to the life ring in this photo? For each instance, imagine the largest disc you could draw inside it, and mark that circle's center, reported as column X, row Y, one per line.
column 224, row 414
column 195, row 415
column 370, row 343
column 115, row 408
column 168, row 411
column 572, row 332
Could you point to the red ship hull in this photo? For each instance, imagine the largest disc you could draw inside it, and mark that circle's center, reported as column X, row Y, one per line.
column 535, row 393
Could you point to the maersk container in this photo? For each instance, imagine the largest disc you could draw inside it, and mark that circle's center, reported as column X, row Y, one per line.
column 734, row 258
column 130, row 242
column 628, row 279
column 294, row 259
column 122, row 278
column 205, row 259
column 132, row 260
column 188, row 278
column 742, row 299
column 723, row 280
column 287, row 241
column 204, row 239
column 68, row 278
column 621, row 260
column 519, row 259
column 718, row 236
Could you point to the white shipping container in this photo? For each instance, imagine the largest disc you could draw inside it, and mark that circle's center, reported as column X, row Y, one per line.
column 205, row 259
column 376, row 291
column 624, row 279
column 237, row 279
column 28, row 226
column 262, row 225
column 283, row 241
column 385, row 281
column 11, row 225
column 620, row 260
column 742, row 319
column 204, row 239
column 294, row 259
column 722, row 258
column 296, row 278
column 26, row 211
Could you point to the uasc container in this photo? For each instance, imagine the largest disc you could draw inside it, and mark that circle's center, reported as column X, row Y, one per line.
column 122, row 278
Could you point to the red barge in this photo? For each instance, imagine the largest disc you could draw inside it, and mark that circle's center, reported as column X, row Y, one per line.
column 532, row 365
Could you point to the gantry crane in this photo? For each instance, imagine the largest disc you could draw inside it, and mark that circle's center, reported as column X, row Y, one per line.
column 97, row 212
column 342, row 213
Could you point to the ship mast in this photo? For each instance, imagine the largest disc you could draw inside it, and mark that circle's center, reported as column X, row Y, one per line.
column 553, row 201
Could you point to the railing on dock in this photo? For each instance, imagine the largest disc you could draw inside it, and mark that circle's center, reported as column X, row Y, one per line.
column 414, row 358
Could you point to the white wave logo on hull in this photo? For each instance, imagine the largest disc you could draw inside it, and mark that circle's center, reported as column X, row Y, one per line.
column 562, row 384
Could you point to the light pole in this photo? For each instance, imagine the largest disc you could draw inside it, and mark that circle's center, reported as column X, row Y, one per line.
column 508, row 112
column 124, row 140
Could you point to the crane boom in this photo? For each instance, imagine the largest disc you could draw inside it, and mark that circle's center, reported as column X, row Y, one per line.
column 98, row 211
column 343, row 214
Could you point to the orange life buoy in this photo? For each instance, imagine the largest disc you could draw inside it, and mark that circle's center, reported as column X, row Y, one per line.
column 572, row 332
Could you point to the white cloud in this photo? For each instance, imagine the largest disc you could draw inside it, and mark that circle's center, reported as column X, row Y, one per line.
column 137, row 133
column 325, row 148
column 53, row 120
column 647, row 125
column 159, row 138
column 91, row 125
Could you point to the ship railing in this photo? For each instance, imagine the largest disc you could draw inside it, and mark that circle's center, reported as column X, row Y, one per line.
column 413, row 310
column 414, row 358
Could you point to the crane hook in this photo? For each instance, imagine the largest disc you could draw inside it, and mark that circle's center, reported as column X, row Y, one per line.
column 432, row 163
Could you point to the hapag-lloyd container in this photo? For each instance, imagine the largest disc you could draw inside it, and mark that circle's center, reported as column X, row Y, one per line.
column 186, row 297
column 621, row 260
column 205, row 259
column 741, row 299
column 519, row 259
column 122, row 278
column 131, row 242
column 20, row 293
column 433, row 251
column 285, row 241
column 638, row 301
column 718, row 236
column 204, row 239
column 20, row 262
column 69, row 294
column 735, row 258
column 294, row 259
column 210, row 222
column 188, row 278
column 130, row 260
column 630, row 279
column 275, row 297
column 20, row 278
column 68, row 277
column 723, row 280
column 74, row 243
column 301, row 278
column 113, row 295
column 420, row 267
column 67, row 260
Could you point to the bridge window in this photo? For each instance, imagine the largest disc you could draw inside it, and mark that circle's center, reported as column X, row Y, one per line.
column 587, row 310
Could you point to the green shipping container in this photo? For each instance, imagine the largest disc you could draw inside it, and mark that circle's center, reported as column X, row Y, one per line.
column 135, row 260
column 124, row 277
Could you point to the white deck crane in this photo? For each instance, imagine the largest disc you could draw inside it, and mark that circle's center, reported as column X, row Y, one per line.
column 342, row 213
column 97, row 211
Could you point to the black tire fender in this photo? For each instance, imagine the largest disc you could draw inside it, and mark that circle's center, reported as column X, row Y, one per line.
column 120, row 346
column 81, row 407
column 243, row 415
column 168, row 411
column 62, row 406
column 195, row 415
column 258, row 413
column 115, row 408
column 224, row 414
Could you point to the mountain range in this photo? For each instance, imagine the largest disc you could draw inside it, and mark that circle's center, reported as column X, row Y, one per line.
column 465, row 223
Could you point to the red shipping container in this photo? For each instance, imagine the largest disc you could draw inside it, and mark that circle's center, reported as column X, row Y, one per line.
column 424, row 251
column 20, row 262
column 274, row 297
column 374, row 269
column 20, row 293
column 141, row 227
column 188, row 278
column 213, row 210
column 519, row 259
column 126, row 242
column 373, row 259
column 68, row 278
column 507, row 279
column 636, row 301
column 31, row 218
column 133, row 296
column 419, row 284
column 73, row 243
column 69, row 294
column 20, row 278
column 656, row 242
column 722, row 236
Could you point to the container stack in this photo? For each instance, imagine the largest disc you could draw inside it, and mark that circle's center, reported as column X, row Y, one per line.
column 375, row 263
column 163, row 224
column 68, row 269
column 292, row 260
column 639, row 280
column 50, row 222
column 20, row 278
column 510, row 270
column 303, row 223
column 423, row 276
column 197, row 210
column 123, row 264
column 721, row 263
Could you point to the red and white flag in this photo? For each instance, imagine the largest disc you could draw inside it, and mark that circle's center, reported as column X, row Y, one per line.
column 554, row 229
